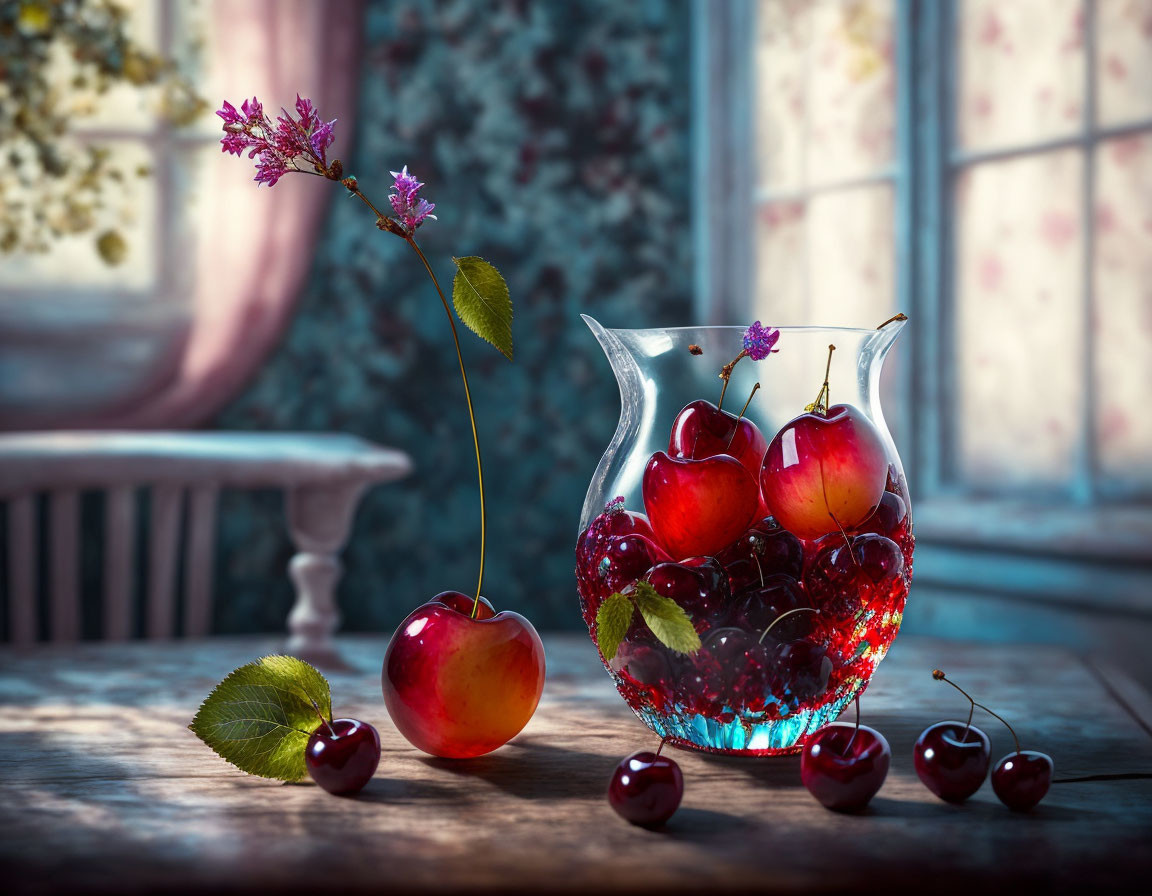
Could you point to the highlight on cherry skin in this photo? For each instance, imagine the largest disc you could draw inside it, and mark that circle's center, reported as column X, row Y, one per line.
column 646, row 788
column 342, row 755
column 461, row 680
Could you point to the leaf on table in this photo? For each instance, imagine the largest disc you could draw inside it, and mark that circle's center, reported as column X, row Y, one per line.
column 260, row 717
column 667, row 620
column 482, row 301
column 612, row 621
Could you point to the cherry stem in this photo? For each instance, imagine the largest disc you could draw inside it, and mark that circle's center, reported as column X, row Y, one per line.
column 726, row 374
column 764, row 634
column 824, row 394
column 892, row 320
column 856, row 730
column 663, row 741
column 326, row 722
column 940, row 676
column 471, row 418
column 736, row 425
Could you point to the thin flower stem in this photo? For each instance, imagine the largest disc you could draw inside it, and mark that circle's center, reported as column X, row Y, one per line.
column 471, row 416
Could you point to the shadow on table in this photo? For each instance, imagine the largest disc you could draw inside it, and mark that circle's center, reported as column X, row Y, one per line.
column 530, row 769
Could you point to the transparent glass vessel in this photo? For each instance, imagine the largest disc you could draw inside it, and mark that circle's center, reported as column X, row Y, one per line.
column 788, row 544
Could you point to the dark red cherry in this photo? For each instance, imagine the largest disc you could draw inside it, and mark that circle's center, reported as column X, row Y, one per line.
column 759, row 553
column 699, row 586
column 799, row 671
column 952, row 759
column 646, row 789
column 614, row 521
column 843, row 766
column 841, row 580
column 698, row 507
column 823, row 473
column 645, row 665
column 757, row 609
column 342, row 757
column 703, row 430
column 1021, row 779
column 889, row 517
column 626, row 558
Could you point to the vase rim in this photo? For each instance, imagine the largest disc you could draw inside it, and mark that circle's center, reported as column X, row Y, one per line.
column 892, row 327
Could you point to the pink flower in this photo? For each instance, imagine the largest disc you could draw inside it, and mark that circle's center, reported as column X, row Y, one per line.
column 758, row 341
column 277, row 148
column 409, row 208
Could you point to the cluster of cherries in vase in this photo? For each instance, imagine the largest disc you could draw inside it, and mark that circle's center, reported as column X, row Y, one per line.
column 791, row 557
column 844, row 765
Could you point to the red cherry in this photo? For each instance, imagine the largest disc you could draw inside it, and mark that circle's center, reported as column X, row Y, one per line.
column 1021, row 779
column 698, row 507
column 799, row 671
column 842, row 580
column 844, row 765
column 951, row 759
column 699, row 585
column 342, row 757
column 761, row 552
column 889, row 518
column 822, row 471
column 759, row 608
column 645, row 665
column 458, row 686
column 646, row 789
column 703, row 430
column 626, row 558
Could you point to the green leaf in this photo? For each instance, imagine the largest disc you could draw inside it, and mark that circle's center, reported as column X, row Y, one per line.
column 669, row 623
column 612, row 621
column 481, row 298
column 260, row 717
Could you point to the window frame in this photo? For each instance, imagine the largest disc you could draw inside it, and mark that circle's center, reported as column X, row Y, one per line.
column 926, row 161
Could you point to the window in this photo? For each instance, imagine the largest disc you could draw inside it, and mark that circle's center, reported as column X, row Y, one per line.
column 987, row 168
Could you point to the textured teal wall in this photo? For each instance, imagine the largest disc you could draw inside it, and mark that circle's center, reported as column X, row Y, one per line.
column 554, row 139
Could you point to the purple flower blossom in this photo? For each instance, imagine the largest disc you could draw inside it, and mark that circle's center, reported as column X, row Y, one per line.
column 409, row 208
column 278, row 147
column 758, row 341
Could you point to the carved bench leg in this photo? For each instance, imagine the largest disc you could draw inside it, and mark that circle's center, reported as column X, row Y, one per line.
column 318, row 519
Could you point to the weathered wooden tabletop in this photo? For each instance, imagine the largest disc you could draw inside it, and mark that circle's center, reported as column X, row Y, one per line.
column 104, row 790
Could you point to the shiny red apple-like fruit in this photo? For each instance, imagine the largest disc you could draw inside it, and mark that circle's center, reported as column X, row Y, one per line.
column 697, row 507
column 342, row 756
column 843, row 766
column 703, row 430
column 458, row 686
column 821, row 474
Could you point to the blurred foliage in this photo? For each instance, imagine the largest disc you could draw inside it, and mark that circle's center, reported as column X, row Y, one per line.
column 57, row 59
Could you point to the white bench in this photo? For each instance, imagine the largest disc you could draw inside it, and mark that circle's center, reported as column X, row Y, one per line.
column 322, row 476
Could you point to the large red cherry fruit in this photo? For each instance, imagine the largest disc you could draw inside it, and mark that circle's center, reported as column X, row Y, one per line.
column 822, row 474
column 698, row 506
column 844, row 765
column 703, row 430
column 458, row 686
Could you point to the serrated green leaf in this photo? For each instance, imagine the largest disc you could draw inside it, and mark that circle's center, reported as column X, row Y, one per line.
column 612, row 621
column 481, row 298
column 667, row 620
column 260, row 717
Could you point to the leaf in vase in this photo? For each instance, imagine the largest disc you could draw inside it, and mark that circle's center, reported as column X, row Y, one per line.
column 667, row 620
column 612, row 621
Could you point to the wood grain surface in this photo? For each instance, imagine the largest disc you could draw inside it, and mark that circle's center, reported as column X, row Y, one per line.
column 104, row 790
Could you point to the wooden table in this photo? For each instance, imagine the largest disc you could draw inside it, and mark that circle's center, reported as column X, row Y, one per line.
column 104, row 790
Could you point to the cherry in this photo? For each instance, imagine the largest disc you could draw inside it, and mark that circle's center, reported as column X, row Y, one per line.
column 614, row 521
column 647, row 666
column 759, row 553
column 844, row 573
column 702, row 430
column 952, row 759
column 799, row 671
column 699, row 585
column 626, row 558
column 889, row 517
column 646, row 788
column 342, row 755
column 697, row 507
column 759, row 608
column 1021, row 779
column 459, row 685
column 844, row 765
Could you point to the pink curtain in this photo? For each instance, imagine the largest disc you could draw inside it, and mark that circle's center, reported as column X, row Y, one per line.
column 250, row 248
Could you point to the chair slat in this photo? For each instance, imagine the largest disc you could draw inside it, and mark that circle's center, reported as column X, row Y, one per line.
column 198, row 561
column 64, row 564
column 22, row 569
column 119, row 562
column 165, row 529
